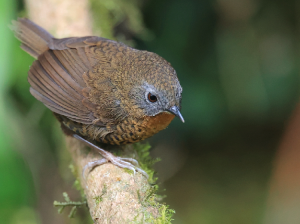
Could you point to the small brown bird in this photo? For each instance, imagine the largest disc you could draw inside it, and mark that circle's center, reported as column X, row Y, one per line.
column 101, row 89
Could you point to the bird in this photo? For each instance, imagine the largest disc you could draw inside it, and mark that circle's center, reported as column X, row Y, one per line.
column 101, row 90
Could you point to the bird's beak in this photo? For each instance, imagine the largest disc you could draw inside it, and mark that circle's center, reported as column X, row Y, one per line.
column 175, row 110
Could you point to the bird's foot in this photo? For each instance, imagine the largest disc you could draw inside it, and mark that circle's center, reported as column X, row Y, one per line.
column 128, row 163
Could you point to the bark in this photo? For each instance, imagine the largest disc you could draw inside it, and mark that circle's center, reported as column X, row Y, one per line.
column 113, row 195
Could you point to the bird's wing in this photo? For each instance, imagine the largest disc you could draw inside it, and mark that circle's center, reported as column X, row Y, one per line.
column 60, row 77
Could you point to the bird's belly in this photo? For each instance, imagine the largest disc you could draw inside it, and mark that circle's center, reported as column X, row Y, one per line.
column 129, row 131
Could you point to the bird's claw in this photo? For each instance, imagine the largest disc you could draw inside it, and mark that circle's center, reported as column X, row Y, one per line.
column 92, row 165
column 125, row 163
column 128, row 163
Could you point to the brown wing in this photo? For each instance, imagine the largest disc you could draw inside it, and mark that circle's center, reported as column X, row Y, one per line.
column 72, row 76
column 57, row 78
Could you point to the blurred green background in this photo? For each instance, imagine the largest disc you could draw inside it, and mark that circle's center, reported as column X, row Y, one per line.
column 238, row 64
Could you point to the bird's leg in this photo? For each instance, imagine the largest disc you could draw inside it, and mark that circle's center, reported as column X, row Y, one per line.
column 128, row 163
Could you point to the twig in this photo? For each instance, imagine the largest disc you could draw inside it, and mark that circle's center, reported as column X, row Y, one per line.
column 68, row 203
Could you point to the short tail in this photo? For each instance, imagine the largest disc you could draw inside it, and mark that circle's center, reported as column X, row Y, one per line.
column 35, row 40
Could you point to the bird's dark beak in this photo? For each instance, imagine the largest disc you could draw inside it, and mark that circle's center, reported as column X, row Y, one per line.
column 175, row 110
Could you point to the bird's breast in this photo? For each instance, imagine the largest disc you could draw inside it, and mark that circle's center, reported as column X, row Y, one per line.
column 131, row 130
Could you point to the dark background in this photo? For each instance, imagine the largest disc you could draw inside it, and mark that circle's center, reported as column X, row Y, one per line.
column 238, row 64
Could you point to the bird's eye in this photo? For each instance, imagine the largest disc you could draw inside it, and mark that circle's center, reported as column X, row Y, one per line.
column 152, row 98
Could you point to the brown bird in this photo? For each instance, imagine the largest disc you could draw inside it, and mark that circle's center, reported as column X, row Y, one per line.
column 101, row 89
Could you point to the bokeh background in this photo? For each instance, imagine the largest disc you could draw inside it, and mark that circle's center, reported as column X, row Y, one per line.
column 238, row 64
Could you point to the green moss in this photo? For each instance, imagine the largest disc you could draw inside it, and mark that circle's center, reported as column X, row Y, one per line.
column 98, row 199
column 151, row 200
column 145, row 160
column 165, row 215
column 128, row 171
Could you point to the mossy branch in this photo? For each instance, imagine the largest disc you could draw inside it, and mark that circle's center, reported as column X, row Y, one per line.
column 115, row 195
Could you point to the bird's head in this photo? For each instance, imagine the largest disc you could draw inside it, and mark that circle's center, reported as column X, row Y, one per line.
column 155, row 88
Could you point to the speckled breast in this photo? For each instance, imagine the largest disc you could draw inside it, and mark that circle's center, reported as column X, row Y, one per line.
column 130, row 131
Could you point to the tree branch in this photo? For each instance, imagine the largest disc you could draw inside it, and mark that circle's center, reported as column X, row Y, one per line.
column 113, row 195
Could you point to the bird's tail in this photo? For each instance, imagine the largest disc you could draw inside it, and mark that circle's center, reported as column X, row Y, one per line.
column 35, row 40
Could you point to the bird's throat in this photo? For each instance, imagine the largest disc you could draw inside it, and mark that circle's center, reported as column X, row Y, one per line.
column 158, row 122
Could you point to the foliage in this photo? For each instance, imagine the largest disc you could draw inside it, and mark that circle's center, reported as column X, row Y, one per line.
column 68, row 203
